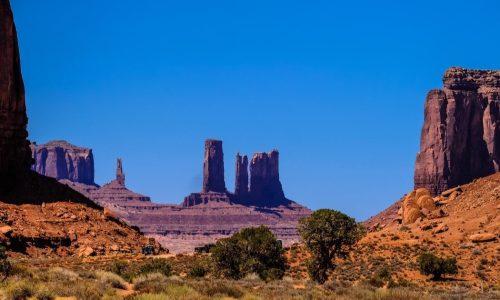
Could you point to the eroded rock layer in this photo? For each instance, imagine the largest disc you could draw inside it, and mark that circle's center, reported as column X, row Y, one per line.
column 460, row 139
column 62, row 160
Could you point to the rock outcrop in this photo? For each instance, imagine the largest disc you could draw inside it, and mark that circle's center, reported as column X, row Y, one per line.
column 15, row 156
column 120, row 176
column 460, row 138
column 265, row 185
column 241, row 181
column 62, row 160
column 213, row 167
column 115, row 191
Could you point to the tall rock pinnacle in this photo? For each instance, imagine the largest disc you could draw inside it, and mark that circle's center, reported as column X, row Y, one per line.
column 265, row 185
column 120, row 176
column 213, row 167
column 15, row 154
column 460, row 138
column 241, row 182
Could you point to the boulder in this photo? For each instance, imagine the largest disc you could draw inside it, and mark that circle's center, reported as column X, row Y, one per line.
column 425, row 201
column 440, row 228
column 482, row 237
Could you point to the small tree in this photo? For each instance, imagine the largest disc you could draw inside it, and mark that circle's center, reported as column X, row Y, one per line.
column 430, row 264
column 327, row 234
column 251, row 250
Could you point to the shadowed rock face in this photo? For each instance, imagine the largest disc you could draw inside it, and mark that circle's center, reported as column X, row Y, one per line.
column 265, row 185
column 213, row 167
column 15, row 156
column 241, row 181
column 460, row 138
column 62, row 160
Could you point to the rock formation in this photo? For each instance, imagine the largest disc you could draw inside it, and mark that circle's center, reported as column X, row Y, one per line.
column 241, row 181
column 115, row 192
column 120, row 176
column 213, row 167
column 62, row 160
column 460, row 138
column 265, row 185
column 15, row 156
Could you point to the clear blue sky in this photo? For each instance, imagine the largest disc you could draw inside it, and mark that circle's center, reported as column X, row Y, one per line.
column 337, row 87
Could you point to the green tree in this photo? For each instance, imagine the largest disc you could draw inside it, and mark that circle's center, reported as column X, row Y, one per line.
column 251, row 250
column 431, row 264
column 327, row 234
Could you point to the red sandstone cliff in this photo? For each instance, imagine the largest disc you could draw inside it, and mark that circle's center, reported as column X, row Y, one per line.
column 460, row 138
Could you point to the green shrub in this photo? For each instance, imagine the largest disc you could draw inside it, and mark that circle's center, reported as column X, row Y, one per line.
column 430, row 264
column 197, row 271
column 251, row 250
column 157, row 265
column 119, row 267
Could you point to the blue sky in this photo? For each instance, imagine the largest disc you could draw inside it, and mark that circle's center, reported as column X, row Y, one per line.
column 337, row 87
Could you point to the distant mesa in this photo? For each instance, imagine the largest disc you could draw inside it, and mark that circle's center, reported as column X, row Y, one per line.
column 460, row 139
column 265, row 188
column 62, row 160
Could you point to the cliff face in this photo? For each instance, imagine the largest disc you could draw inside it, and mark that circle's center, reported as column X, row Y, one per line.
column 241, row 178
column 265, row 185
column 460, row 138
column 213, row 167
column 15, row 157
column 62, row 160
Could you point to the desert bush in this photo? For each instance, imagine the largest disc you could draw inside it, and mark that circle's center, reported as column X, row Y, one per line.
column 111, row 279
column 251, row 250
column 327, row 234
column 156, row 265
column 43, row 293
column 119, row 267
column 5, row 265
column 179, row 290
column 19, row 290
column 430, row 264
column 219, row 288
column 150, row 283
column 197, row 271
column 58, row 274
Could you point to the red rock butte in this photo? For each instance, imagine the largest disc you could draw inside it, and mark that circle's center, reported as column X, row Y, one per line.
column 460, row 138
